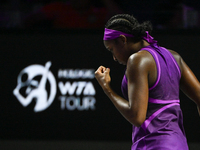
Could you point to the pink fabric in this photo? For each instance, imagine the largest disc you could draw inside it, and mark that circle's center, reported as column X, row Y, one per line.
column 110, row 34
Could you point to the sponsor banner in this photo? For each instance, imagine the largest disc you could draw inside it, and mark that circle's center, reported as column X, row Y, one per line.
column 72, row 88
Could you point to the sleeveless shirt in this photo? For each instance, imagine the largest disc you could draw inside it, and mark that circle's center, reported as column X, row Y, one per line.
column 163, row 128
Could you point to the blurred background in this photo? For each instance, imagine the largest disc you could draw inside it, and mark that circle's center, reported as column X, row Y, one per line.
column 164, row 14
column 49, row 52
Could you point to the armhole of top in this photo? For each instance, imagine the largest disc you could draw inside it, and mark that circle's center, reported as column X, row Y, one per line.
column 154, row 55
column 174, row 60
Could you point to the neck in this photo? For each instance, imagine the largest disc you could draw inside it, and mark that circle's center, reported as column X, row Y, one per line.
column 139, row 45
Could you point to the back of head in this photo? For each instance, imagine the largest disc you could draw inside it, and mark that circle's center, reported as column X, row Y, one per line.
column 129, row 24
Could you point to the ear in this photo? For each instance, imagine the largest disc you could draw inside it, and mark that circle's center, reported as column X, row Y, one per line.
column 123, row 38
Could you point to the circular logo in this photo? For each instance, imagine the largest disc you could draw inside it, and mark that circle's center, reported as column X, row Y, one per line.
column 36, row 82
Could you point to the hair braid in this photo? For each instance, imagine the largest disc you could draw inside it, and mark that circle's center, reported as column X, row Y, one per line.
column 129, row 24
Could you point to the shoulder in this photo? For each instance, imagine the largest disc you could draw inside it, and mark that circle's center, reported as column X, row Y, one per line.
column 141, row 61
column 177, row 57
column 175, row 54
column 140, row 58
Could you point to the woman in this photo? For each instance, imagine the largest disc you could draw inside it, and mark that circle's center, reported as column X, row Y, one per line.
column 151, row 84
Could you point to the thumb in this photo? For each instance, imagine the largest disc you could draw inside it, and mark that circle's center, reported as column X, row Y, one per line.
column 107, row 71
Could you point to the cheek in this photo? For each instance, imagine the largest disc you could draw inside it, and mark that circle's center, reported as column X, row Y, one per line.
column 118, row 55
column 120, row 52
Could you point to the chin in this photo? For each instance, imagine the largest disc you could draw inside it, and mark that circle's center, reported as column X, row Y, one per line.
column 122, row 63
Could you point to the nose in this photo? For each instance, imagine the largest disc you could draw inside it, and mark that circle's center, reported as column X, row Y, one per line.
column 115, row 59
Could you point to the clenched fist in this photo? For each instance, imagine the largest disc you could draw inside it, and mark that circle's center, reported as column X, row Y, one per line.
column 102, row 75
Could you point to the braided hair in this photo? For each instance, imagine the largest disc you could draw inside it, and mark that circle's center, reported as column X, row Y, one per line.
column 129, row 24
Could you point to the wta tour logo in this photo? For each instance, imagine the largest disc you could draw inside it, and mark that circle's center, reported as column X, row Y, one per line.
column 36, row 82
column 32, row 84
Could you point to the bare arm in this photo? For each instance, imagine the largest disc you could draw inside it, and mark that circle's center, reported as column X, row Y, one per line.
column 189, row 84
column 103, row 77
column 135, row 109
